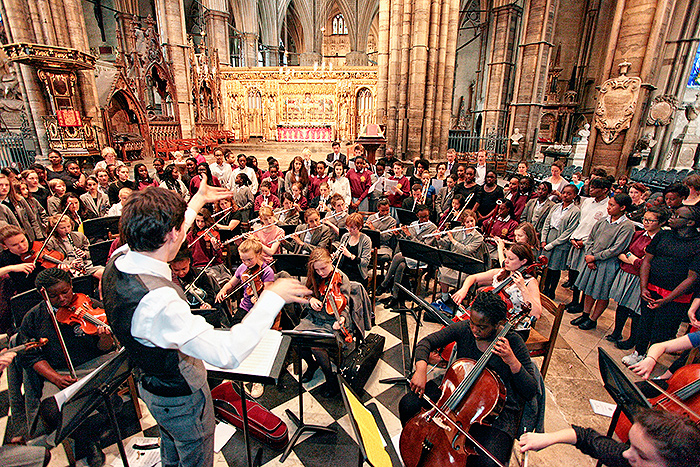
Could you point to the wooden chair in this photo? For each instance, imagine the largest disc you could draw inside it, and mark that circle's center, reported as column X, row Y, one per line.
column 537, row 343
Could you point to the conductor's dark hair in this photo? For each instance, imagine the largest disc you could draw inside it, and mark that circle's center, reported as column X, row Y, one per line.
column 52, row 276
column 491, row 306
column 676, row 437
column 149, row 215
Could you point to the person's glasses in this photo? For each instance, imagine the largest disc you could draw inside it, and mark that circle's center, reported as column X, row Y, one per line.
column 649, row 221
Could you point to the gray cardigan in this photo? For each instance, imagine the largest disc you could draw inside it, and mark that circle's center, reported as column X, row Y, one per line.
column 608, row 240
column 364, row 252
column 568, row 224
column 533, row 216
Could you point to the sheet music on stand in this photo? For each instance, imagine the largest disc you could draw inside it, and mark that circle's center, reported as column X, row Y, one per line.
column 62, row 396
column 384, row 185
column 260, row 361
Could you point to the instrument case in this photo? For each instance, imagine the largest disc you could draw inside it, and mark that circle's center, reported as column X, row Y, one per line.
column 262, row 424
column 358, row 365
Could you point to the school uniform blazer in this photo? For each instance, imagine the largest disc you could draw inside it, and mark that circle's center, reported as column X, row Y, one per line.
column 567, row 226
column 26, row 218
column 443, row 200
column 100, row 208
column 536, row 218
column 320, row 238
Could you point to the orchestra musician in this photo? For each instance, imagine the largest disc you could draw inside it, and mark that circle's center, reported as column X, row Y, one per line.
column 523, row 291
column 74, row 245
column 16, row 455
column 164, row 341
column 356, row 250
column 510, row 361
column 21, row 274
column 270, row 236
column 415, row 232
column 46, row 367
column 288, row 215
column 382, row 220
column 316, row 235
column 202, row 294
column 335, row 219
column 657, row 439
column 207, row 247
column 322, row 275
column 468, row 242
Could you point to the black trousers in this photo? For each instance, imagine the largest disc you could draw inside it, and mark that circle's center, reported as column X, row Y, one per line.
column 494, row 440
column 659, row 324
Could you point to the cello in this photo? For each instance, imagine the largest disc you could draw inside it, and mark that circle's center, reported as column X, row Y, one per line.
column 470, row 394
column 683, row 385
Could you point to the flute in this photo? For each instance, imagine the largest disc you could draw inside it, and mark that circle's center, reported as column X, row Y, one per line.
column 455, row 230
column 238, row 237
column 286, row 237
column 396, row 229
column 379, row 219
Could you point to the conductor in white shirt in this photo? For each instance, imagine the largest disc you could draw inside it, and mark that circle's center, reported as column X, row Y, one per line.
column 165, row 342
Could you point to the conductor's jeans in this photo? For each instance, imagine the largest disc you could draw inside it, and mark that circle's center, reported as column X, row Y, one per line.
column 186, row 426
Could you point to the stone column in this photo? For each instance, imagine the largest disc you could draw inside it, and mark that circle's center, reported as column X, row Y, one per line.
column 272, row 56
column 171, row 27
column 449, row 77
column 638, row 31
column 531, row 72
column 217, row 33
column 383, row 61
column 310, row 59
column 418, row 68
column 356, row 58
column 249, row 41
column 500, row 65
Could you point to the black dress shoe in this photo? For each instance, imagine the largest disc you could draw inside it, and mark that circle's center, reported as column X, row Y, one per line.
column 395, row 303
column 587, row 324
column 309, row 373
column 625, row 345
column 567, row 285
column 573, row 308
column 613, row 337
column 95, row 457
column 386, row 300
column 329, row 390
column 579, row 320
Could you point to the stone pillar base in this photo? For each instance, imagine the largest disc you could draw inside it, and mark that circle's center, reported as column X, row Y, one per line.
column 356, row 58
column 309, row 58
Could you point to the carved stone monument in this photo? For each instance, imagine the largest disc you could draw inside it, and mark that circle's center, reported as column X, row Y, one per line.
column 617, row 101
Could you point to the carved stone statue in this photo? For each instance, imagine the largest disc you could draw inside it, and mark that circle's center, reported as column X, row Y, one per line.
column 584, row 133
column 516, row 137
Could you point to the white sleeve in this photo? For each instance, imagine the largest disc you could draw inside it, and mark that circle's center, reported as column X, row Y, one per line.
column 164, row 320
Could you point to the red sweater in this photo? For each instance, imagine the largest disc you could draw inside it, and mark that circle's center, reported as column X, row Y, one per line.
column 396, row 198
column 637, row 248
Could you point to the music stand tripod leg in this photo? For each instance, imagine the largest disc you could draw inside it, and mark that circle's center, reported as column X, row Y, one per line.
column 299, row 421
column 104, row 392
column 246, row 433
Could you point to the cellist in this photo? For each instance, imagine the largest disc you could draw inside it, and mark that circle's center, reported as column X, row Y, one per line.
column 510, row 361
column 322, row 274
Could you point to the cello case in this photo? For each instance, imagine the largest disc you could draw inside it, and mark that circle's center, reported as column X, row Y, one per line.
column 262, row 424
column 358, row 365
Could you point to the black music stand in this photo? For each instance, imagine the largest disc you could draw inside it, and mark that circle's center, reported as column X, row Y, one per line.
column 306, row 339
column 295, row 265
column 374, row 235
column 98, row 387
column 375, row 435
column 99, row 252
column 625, row 393
column 240, row 376
column 289, row 228
column 461, row 263
column 405, row 216
column 422, row 253
column 100, row 227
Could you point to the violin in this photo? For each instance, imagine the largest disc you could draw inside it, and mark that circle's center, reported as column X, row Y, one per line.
column 253, row 277
column 684, row 385
column 334, row 301
column 81, row 312
column 471, row 394
column 39, row 254
column 26, row 346
column 528, row 269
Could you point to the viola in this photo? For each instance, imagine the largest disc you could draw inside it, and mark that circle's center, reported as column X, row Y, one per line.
column 525, row 270
column 39, row 254
column 684, row 385
column 81, row 312
column 471, row 394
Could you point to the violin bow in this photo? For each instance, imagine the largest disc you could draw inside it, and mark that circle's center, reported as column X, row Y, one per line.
column 202, row 235
column 189, row 287
column 336, row 263
column 53, row 229
column 673, row 398
column 62, row 342
column 459, row 428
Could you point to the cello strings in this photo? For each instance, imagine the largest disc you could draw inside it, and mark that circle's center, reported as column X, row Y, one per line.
column 467, row 435
column 673, row 398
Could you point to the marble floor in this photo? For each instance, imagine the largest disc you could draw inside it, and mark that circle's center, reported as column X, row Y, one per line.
column 572, row 380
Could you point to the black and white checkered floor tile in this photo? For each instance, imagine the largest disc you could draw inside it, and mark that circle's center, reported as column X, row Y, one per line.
column 338, row 449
